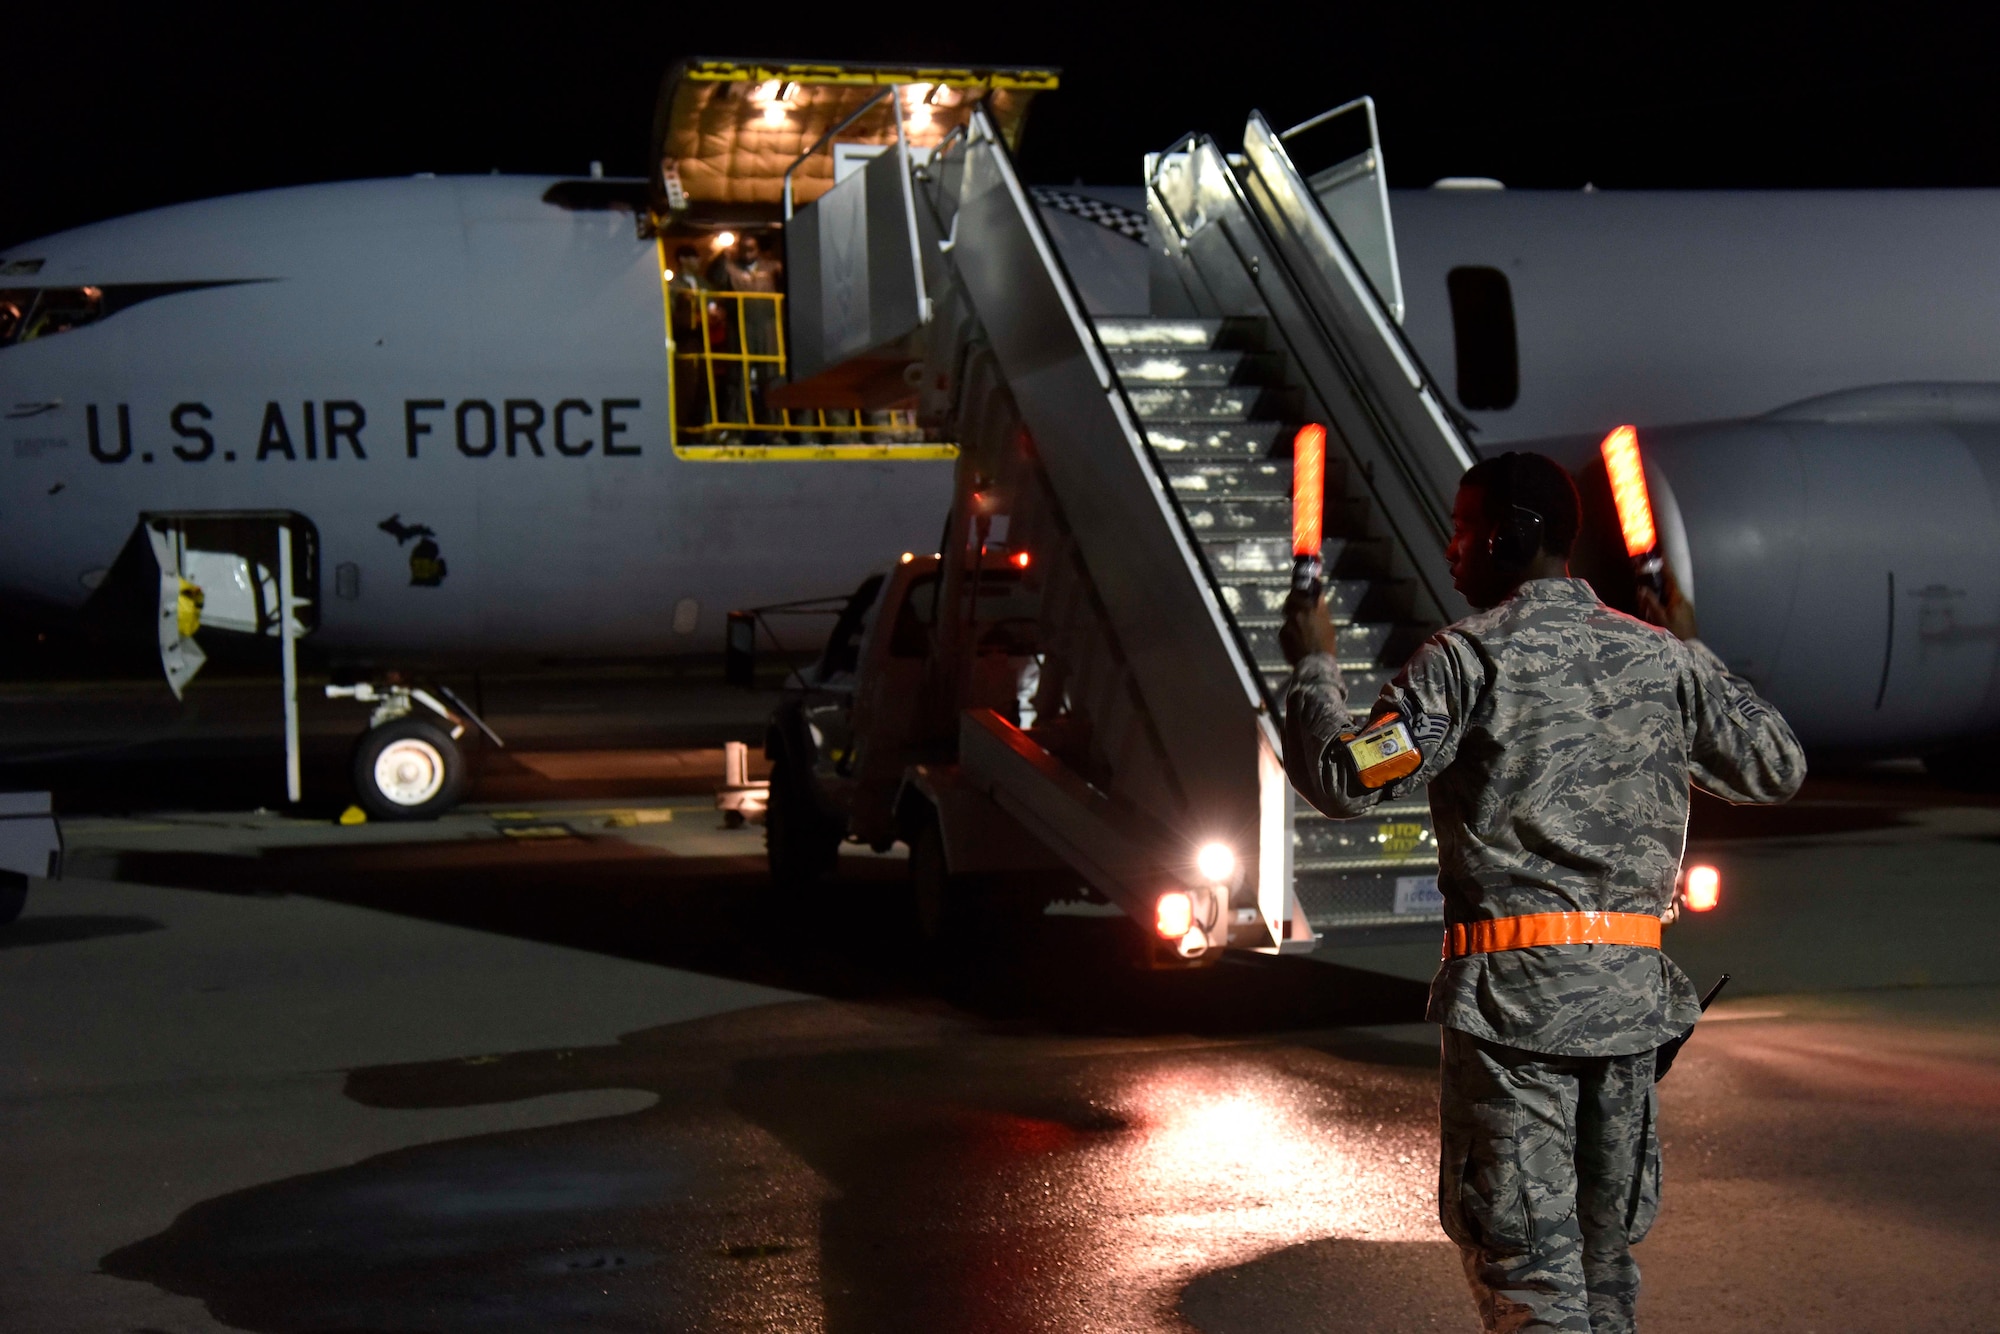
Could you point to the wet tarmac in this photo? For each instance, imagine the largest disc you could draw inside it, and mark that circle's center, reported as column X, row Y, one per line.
column 564, row 1062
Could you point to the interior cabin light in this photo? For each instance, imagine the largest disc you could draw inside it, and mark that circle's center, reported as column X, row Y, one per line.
column 1216, row 862
column 1173, row 916
column 724, row 240
column 1704, row 888
column 774, row 113
column 908, row 556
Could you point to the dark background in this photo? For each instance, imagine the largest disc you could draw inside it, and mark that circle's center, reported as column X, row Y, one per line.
column 112, row 110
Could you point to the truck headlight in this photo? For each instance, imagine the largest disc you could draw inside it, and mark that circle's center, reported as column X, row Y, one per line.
column 1216, row 862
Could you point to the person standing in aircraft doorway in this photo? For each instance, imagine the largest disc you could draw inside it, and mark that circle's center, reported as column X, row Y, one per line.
column 752, row 267
column 1558, row 739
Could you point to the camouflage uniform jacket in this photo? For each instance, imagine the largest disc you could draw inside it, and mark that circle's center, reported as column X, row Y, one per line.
column 1558, row 740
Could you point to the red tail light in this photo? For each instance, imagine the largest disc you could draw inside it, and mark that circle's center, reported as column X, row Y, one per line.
column 1308, row 488
column 1173, row 917
column 1704, row 888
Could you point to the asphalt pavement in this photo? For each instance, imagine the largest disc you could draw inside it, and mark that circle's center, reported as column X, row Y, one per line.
column 564, row 1061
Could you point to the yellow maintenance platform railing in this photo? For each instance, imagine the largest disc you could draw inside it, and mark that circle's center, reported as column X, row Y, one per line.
column 726, row 351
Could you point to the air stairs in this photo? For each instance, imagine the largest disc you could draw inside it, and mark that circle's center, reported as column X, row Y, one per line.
column 1218, row 419
column 1146, row 463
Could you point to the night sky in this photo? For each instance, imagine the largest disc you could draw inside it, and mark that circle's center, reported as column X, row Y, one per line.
column 109, row 113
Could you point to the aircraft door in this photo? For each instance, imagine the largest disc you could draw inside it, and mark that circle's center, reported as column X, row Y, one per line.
column 228, row 571
column 246, row 572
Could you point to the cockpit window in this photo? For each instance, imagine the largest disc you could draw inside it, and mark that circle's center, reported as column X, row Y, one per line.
column 28, row 313
column 1482, row 323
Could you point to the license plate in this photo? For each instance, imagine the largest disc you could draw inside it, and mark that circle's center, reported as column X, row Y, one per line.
column 1418, row 896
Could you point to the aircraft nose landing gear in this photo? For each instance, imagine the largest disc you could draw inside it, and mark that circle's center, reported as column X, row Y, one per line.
column 408, row 766
column 408, row 769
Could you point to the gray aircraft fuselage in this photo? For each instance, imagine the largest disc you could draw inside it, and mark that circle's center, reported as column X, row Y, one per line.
column 451, row 354
column 460, row 356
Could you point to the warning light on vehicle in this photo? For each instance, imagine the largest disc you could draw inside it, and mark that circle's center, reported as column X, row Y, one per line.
column 1173, row 917
column 1628, row 490
column 1216, row 862
column 1020, row 560
column 1308, row 488
column 1704, row 888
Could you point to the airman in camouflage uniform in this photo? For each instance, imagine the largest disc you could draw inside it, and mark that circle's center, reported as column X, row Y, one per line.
column 1558, row 740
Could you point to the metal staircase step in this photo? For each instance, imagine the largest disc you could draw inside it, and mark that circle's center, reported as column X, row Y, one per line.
column 1243, row 514
column 1360, row 641
column 1118, row 333
column 1256, row 595
column 1202, row 479
column 1231, row 553
column 1233, row 403
column 1188, row 369
column 1194, row 439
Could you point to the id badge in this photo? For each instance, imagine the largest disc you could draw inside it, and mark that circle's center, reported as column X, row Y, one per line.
column 1384, row 752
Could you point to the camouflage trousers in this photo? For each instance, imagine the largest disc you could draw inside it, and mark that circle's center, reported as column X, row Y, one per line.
column 1550, row 1171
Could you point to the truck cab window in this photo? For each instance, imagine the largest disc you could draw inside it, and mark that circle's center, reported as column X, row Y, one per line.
column 1482, row 324
column 843, row 647
column 912, row 636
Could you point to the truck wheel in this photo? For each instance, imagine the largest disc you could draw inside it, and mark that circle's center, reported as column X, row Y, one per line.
column 799, row 841
column 13, row 895
column 408, row 770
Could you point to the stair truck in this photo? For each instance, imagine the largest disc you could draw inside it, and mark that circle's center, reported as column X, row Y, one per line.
column 1077, row 693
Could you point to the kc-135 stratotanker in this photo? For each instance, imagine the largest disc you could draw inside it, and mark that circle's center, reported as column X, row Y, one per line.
column 423, row 423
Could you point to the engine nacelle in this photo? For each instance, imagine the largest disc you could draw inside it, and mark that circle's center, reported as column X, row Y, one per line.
column 1843, row 553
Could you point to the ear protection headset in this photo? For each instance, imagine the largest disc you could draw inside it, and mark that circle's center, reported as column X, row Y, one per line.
column 1518, row 536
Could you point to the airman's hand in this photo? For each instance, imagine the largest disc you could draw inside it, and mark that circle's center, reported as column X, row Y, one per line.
column 1674, row 613
column 1307, row 628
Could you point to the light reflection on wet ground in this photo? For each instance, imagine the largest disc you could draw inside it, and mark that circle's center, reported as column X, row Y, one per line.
column 850, row 1167
column 891, row 1162
column 891, row 1170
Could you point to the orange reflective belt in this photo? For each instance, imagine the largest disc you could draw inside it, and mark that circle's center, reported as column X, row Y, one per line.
column 1552, row 928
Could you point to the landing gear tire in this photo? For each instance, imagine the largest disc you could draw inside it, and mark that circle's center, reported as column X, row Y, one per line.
column 799, row 841
column 408, row 770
